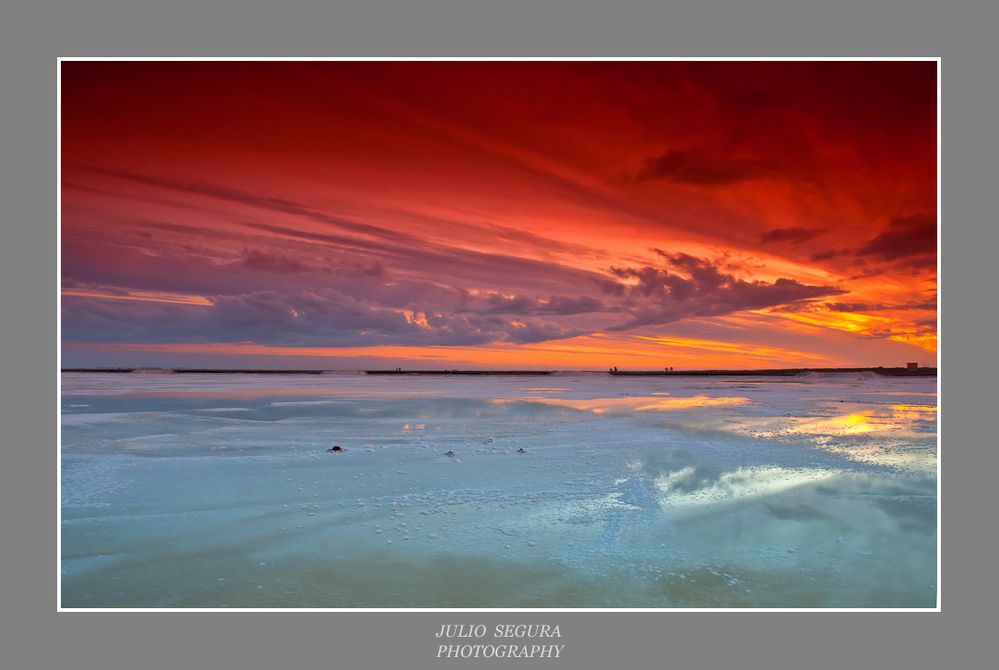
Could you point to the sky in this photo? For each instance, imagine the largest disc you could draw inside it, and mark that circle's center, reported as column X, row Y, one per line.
column 528, row 215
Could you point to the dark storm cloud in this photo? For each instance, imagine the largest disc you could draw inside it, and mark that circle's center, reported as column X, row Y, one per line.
column 794, row 235
column 878, row 307
column 905, row 238
column 826, row 255
column 307, row 318
column 375, row 309
column 695, row 287
column 699, row 167
column 553, row 305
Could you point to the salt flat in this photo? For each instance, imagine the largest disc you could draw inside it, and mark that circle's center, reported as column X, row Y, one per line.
column 217, row 491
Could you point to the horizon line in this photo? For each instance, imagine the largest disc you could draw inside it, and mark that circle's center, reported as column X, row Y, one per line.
column 918, row 369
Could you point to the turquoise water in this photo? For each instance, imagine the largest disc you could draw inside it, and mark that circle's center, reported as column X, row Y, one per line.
column 217, row 491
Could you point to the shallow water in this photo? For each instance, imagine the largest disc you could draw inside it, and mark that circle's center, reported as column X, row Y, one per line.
column 216, row 491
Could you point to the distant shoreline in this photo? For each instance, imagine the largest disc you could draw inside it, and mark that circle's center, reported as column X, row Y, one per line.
column 774, row 372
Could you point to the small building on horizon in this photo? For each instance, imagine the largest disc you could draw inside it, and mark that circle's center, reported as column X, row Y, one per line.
column 912, row 366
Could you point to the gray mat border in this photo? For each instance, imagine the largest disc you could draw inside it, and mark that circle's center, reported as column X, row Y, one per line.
column 34, row 34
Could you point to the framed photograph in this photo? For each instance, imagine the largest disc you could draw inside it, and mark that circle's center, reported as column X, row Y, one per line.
column 499, row 334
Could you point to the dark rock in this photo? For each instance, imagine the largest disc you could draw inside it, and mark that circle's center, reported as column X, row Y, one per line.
column 335, row 449
column 522, row 451
column 450, row 453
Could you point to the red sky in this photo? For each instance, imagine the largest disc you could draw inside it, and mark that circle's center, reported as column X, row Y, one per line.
column 498, row 214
